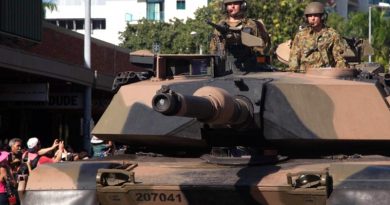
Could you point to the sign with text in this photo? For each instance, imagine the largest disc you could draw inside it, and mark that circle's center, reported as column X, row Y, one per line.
column 65, row 100
column 29, row 92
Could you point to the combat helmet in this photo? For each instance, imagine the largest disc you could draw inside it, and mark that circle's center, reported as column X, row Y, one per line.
column 316, row 8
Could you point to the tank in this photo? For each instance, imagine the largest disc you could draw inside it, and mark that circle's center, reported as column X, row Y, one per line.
column 201, row 132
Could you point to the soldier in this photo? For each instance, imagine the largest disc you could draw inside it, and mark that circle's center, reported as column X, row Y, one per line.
column 229, row 43
column 316, row 45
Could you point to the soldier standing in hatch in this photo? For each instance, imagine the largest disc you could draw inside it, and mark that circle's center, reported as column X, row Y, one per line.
column 235, row 17
column 316, row 45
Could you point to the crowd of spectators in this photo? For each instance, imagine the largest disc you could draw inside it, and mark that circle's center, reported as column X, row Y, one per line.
column 18, row 161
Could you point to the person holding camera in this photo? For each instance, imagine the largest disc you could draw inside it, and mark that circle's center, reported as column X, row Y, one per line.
column 36, row 155
column 316, row 45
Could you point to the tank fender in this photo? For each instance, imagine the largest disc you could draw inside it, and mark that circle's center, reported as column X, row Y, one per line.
column 64, row 183
column 360, row 184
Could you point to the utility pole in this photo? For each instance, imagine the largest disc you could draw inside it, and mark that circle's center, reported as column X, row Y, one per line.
column 88, row 90
column 369, row 31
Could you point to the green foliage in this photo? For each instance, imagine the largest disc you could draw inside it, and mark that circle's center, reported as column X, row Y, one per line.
column 357, row 26
column 145, row 33
column 174, row 37
column 338, row 23
column 282, row 19
column 48, row 4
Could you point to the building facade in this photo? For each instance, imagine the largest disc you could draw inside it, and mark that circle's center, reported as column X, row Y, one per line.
column 343, row 7
column 42, row 84
column 109, row 17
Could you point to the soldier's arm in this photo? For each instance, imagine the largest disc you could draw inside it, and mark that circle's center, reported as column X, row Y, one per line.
column 261, row 32
column 294, row 59
column 337, row 52
column 212, row 46
column 215, row 39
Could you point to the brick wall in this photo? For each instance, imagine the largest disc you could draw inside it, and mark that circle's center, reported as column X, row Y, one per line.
column 68, row 47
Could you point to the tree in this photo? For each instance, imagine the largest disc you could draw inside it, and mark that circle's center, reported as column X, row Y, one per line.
column 282, row 19
column 48, row 4
column 380, row 36
column 357, row 26
column 172, row 37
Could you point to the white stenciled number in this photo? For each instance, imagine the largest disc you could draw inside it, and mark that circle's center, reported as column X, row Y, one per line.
column 160, row 197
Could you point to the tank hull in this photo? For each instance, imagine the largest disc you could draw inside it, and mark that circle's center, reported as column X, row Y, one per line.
column 192, row 181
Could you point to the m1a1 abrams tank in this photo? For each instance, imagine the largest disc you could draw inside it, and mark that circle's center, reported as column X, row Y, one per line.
column 204, row 133
column 217, row 137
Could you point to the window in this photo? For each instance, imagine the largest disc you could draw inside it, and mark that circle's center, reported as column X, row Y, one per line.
column 98, row 24
column 78, row 24
column 61, row 24
column 128, row 17
column 180, row 4
column 154, row 11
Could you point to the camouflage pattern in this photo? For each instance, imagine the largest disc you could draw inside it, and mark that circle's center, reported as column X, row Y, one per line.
column 316, row 49
column 306, row 114
column 295, row 106
column 66, row 183
column 325, row 119
column 185, row 182
column 256, row 28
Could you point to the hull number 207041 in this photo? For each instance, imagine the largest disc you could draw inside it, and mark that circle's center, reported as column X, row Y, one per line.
column 158, row 197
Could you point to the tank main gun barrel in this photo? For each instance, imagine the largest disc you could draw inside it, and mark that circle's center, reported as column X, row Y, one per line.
column 208, row 104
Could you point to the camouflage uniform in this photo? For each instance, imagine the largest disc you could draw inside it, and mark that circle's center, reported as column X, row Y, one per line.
column 316, row 49
column 233, row 40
